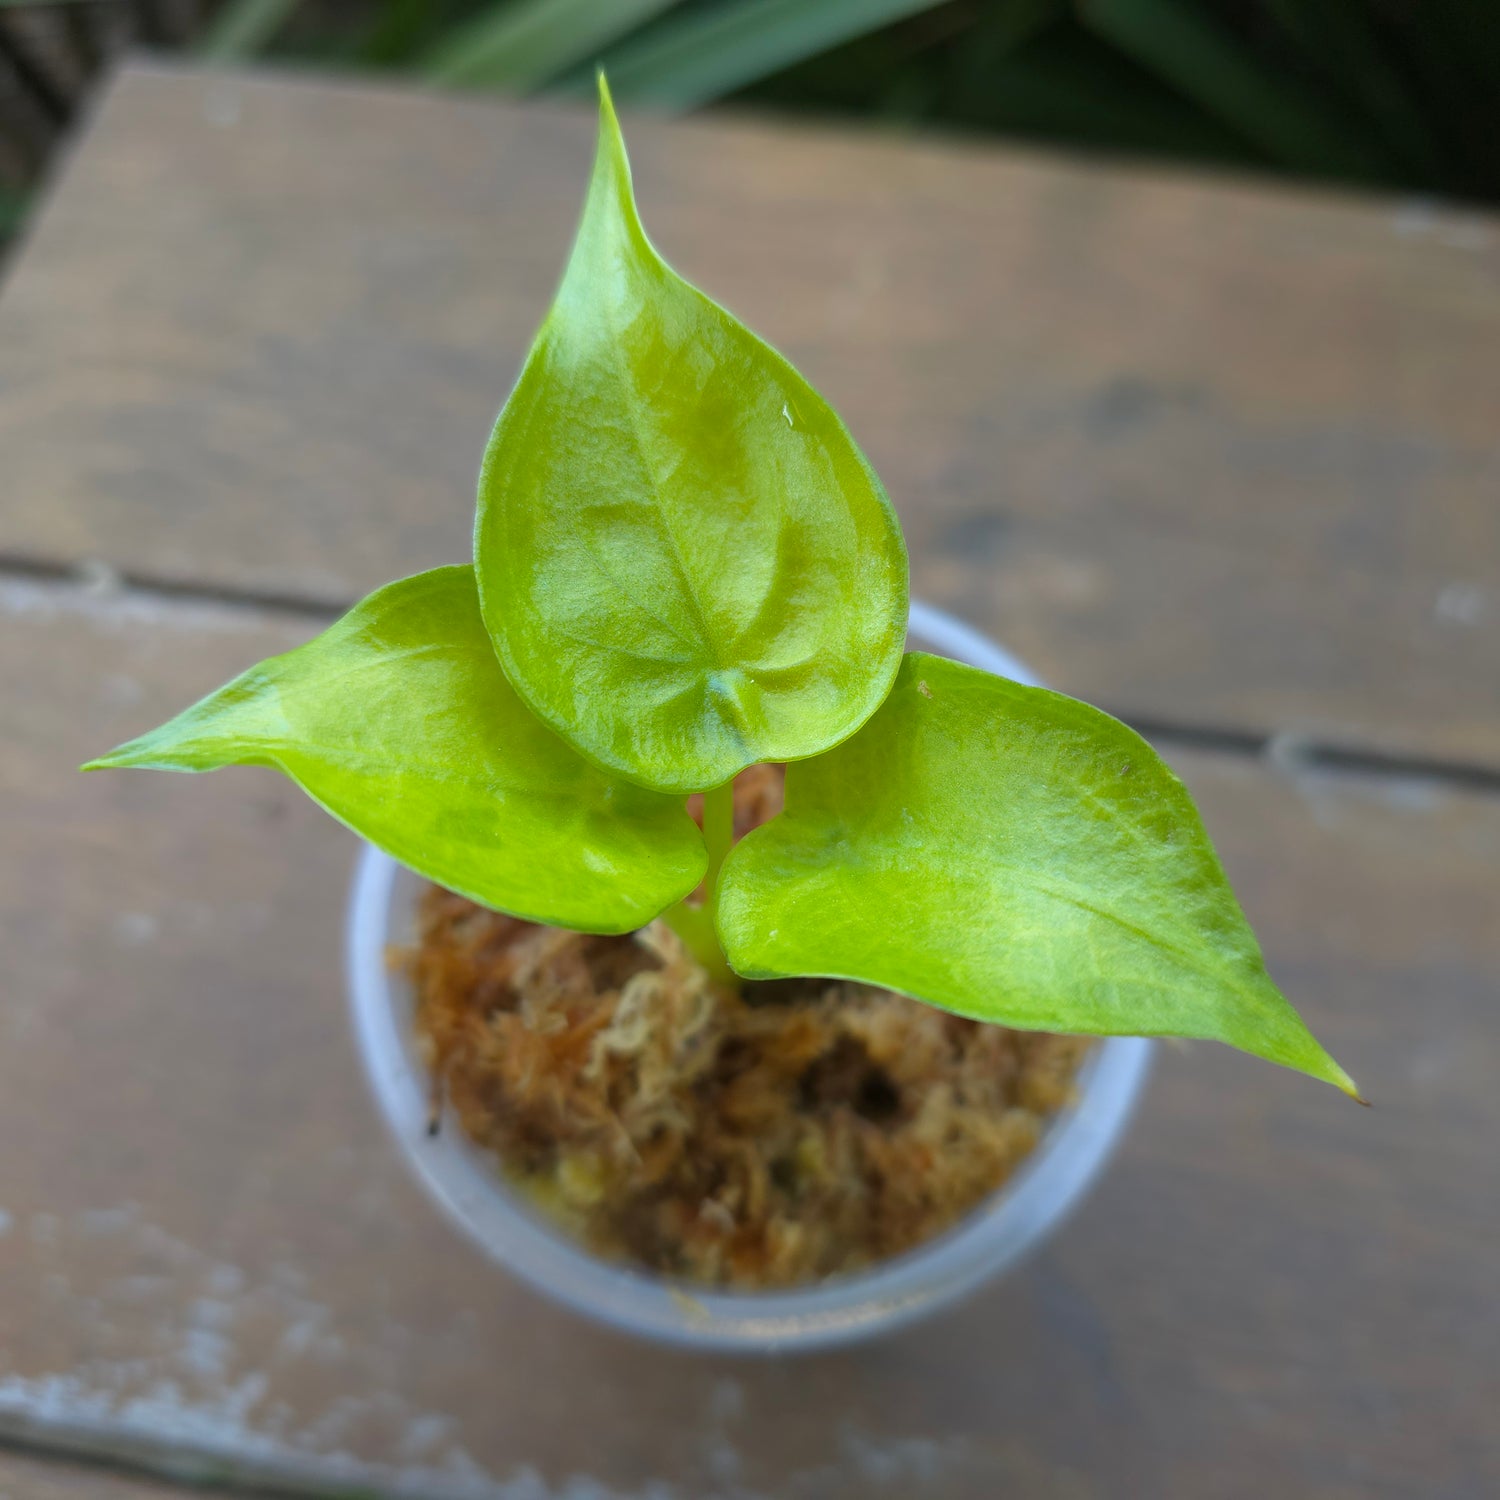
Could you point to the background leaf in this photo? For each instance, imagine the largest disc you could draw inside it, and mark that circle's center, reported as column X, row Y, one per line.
column 399, row 722
column 704, row 54
column 1067, row 86
column 523, row 43
column 243, row 28
column 13, row 209
column 685, row 562
column 1013, row 855
column 1365, row 91
column 1180, row 41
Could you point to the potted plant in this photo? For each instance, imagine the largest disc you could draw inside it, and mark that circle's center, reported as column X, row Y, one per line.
column 760, row 1038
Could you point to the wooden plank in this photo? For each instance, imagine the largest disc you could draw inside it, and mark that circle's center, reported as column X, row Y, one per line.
column 1207, row 452
column 24, row 1476
column 211, row 1251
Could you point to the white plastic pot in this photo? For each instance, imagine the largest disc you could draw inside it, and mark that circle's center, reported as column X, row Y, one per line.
column 466, row 1183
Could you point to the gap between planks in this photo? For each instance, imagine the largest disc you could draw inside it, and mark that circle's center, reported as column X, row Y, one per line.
column 1285, row 750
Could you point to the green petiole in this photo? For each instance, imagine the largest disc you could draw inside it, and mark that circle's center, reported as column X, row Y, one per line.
column 694, row 922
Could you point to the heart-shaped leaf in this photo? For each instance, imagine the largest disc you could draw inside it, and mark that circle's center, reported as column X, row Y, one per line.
column 399, row 721
column 1013, row 855
column 685, row 562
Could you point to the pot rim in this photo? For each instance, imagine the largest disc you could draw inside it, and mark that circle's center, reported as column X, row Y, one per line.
column 467, row 1186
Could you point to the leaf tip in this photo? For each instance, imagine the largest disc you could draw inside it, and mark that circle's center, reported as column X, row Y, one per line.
column 611, row 180
column 611, row 137
column 112, row 760
column 1330, row 1072
column 154, row 751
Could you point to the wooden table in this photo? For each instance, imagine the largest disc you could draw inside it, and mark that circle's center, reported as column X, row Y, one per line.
column 1222, row 457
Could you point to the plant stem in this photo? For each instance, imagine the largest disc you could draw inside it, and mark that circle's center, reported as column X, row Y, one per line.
column 718, row 833
column 695, row 924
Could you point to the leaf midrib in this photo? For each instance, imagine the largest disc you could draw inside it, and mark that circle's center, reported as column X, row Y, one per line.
column 617, row 358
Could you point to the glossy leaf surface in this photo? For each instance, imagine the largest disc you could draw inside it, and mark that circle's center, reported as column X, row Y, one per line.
column 399, row 721
column 685, row 562
column 1013, row 855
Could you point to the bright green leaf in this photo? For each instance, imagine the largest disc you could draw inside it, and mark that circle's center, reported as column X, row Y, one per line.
column 685, row 562
column 399, row 721
column 1013, row 855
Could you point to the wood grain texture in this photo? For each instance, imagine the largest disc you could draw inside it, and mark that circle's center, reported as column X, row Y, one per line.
column 212, row 1256
column 1203, row 452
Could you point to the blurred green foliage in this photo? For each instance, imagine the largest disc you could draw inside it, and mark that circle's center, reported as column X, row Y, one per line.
column 1396, row 93
column 1382, row 93
column 13, row 206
